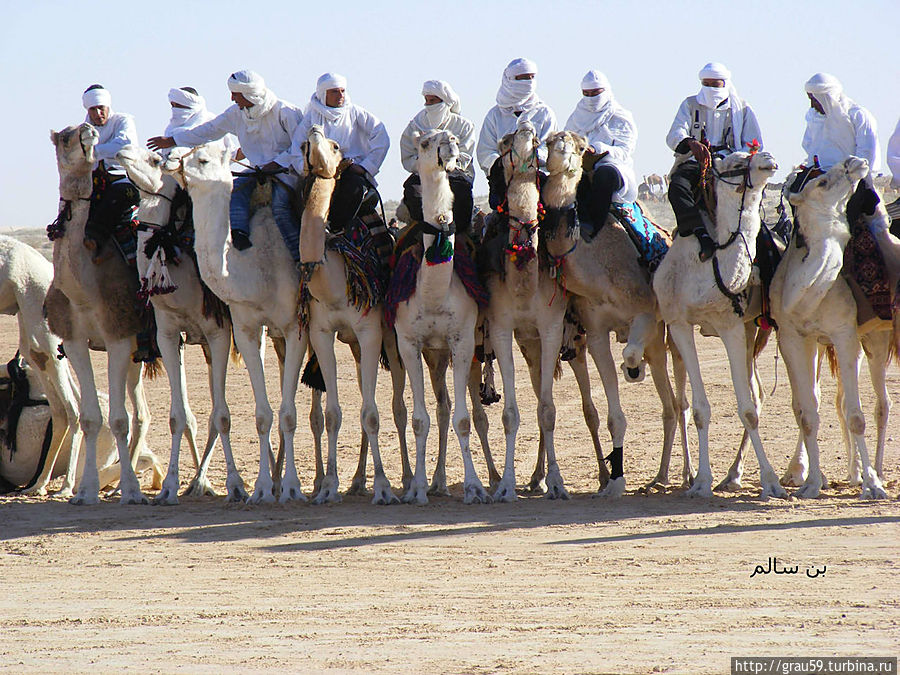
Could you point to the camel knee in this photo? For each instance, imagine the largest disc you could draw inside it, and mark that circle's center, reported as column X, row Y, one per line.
column 38, row 358
column 809, row 423
column 90, row 425
column 547, row 416
column 856, row 423
column 263, row 422
column 616, row 425
column 288, row 421
column 701, row 417
column 370, row 421
column 591, row 416
column 332, row 421
column 177, row 423
column 510, row 419
column 119, row 426
column 751, row 419
column 462, row 425
column 223, row 422
column 421, row 424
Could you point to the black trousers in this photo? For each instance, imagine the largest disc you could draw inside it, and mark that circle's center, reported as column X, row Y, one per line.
column 112, row 205
column 346, row 200
column 605, row 182
column 682, row 184
column 463, row 202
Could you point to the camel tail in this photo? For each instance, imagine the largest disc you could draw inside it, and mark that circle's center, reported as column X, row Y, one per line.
column 234, row 354
column 762, row 339
column 832, row 360
column 312, row 373
column 894, row 353
column 153, row 369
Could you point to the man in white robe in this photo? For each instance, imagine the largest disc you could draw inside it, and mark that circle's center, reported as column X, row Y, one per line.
column 363, row 139
column 716, row 121
column 517, row 103
column 612, row 135
column 263, row 124
column 442, row 112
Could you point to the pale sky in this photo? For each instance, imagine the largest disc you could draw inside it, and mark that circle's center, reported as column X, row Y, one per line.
column 651, row 51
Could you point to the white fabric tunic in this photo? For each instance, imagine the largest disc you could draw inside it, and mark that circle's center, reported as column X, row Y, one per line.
column 893, row 156
column 457, row 125
column 118, row 132
column 611, row 129
column 498, row 122
column 361, row 135
column 835, row 137
column 716, row 123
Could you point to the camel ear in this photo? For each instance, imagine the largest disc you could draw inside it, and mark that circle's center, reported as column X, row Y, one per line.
column 304, row 147
column 424, row 144
column 796, row 198
column 54, row 136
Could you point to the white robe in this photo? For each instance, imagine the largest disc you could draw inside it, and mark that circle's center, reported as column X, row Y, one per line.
column 835, row 137
column 715, row 124
column 361, row 135
column 459, row 126
column 893, row 156
column 498, row 122
column 118, row 132
column 615, row 132
column 202, row 117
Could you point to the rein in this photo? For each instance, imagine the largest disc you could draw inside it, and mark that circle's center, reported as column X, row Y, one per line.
column 57, row 229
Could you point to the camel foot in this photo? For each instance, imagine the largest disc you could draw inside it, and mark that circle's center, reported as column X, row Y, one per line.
column 614, row 489
column 234, row 490
column 199, row 487
column 328, row 494
column 872, row 488
column 661, row 482
column 687, row 479
column 291, row 492
column 405, row 482
column 439, row 488
column 854, row 478
column 34, row 491
column 702, row 487
column 809, row 490
column 506, row 492
column 476, row 494
column 795, row 476
column 168, row 495
column 534, row 485
column 493, row 480
column 771, row 487
column 556, row 489
column 384, row 496
column 416, row 494
column 263, row 493
column 134, row 496
column 64, row 492
column 731, row 483
column 636, row 373
column 86, row 497
column 357, row 487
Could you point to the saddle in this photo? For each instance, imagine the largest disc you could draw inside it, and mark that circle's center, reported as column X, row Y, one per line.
column 15, row 396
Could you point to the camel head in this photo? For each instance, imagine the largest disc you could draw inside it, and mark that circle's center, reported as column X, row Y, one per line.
column 204, row 164
column 75, row 147
column 830, row 191
column 144, row 168
column 743, row 170
column 565, row 150
column 322, row 156
column 438, row 149
column 519, row 151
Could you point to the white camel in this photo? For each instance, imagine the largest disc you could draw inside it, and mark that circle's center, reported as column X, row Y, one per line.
column 93, row 303
column 260, row 287
column 811, row 303
column 25, row 453
column 525, row 300
column 693, row 293
column 183, row 312
column 330, row 310
column 611, row 292
column 440, row 315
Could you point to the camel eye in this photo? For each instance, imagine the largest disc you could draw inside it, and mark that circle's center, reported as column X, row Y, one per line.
column 203, row 161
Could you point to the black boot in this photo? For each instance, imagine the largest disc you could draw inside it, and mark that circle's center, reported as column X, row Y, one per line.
column 240, row 240
column 707, row 245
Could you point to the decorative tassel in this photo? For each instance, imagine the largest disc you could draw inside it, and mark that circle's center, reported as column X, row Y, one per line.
column 440, row 251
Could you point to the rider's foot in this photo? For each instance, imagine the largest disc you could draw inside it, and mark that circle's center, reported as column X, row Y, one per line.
column 240, row 240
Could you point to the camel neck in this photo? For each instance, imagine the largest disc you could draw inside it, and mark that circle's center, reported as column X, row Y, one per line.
column 561, row 188
column 437, row 198
column 211, row 226
column 315, row 216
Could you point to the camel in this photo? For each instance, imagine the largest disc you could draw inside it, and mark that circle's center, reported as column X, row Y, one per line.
column 711, row 294
column 610, row 291
column 93, row 303
column 440, row 314
column 260, row 287
column 812, row 303
column 182, row 312
column 524, row 300
column 25, row 457
column 331, row 310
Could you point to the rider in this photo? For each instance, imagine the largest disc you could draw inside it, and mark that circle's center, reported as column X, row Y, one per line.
column 517, row 103
column 263, row 124
column 362, row 137
column 714, row 122
column 114, row 200
column 441, row 111
column 612, row 136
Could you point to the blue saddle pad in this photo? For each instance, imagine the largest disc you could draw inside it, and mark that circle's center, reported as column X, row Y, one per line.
column 646, row 237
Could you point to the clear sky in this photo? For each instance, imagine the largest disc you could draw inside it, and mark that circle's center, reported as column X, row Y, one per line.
column 650, row 50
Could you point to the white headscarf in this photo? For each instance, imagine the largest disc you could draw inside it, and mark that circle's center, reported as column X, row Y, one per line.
column 835, row 125
column 94, row 97
column 254, row 89
column 828, row 91
column 189, row 116
column 592, row 111
column 435, row 115
column 518, row 95
column 317, row 108
column 712, row 97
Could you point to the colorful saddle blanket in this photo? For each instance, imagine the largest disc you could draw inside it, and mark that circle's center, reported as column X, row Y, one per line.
column 646, row 236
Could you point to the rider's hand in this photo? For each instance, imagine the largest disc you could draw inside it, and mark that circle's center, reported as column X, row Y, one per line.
column 272, row 167
column 700, row 152
column 357, row 169
column 161, row 142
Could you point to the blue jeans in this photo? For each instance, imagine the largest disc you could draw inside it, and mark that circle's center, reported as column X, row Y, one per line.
column 285, row 218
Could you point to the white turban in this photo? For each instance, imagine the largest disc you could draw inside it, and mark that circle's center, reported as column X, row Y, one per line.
column 253, row 88
column 594, row 79
column 329, row 81
column 828, row 91
column 443, row 91
column 317, row 110
column 187, row 99
column 192, row 114
column 518, row 95
column 94, row 97
column 714, row 71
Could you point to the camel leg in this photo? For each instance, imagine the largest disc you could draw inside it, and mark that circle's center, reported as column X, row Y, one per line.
column 398, row 405
column 317, row 427
column 598, row 346
column 369, row 337
column 848, row 354
column 358, row 483
column 200, row 485
column 682, row 406
column 170, row 348
column 438, row 361
column 463, row 347
column 531, row 352
column 323, row 344
column 417, row 493
column 501, row 338
column 480, row 421
column 91, row 420
column 657, row 360
column 643, row 330
column 551, row 342
column 294, row 348
column 798, row 468
column 249, row 340
column 877, row 347
column 122, row 371
column 683, row 337
column 589, row 410
column 140, row 423
column 735, row 341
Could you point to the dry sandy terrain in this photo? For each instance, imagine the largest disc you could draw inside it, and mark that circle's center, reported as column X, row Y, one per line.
column 649, row 583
